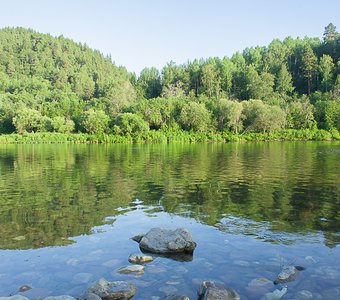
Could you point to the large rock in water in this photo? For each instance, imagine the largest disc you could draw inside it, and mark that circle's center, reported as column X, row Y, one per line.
column 162, row 240
column 210, row 290
column 288, row 273
column 112, row 290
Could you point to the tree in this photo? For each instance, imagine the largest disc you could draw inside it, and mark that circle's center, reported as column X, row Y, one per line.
column 301, row 114
column 211, row 81
column 95, row 121
column 284, row 84
column 149, row 83
column 130, row 123
column 263, row 117
column 330, row 33
column 230, row 115
column 30, row 120
column 62, row 125
column 309, row 65
column 195, row 116
column 326, row 67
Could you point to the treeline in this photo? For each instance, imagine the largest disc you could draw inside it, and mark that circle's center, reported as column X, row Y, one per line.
column 50, row 84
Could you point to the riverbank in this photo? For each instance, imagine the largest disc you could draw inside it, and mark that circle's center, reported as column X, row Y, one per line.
column 154, row 136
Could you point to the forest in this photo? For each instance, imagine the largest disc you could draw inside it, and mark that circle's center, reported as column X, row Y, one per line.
column 54, row 85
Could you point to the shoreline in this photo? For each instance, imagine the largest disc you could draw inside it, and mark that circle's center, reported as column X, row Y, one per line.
column 154, row 136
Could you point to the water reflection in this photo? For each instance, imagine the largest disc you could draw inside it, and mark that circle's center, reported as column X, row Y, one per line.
column 276, row 191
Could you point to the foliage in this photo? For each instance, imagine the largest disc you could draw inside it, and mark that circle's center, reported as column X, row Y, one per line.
column 50, row 84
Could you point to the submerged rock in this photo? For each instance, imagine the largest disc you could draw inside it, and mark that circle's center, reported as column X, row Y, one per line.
column 132, row 269
column 303, row 295
column 137, row 238
column 162, row 240
column 276, row 295
column 89, row 296
column 287, row 274
column 61, row 297
column 175, row 297
column 14, row 297
column 112, row 290
column 210, row 290
column 140, row 258
column 25, row 288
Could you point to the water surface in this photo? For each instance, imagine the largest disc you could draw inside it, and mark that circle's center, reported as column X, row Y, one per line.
column 67, row 213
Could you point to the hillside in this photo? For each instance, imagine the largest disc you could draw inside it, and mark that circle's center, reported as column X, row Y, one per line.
column 50, row 84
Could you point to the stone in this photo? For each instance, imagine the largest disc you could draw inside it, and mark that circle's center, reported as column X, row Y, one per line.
column 303, row 295
column 175, row 297
column 162, row 240
column 287, row 274
column 14, row 297
column 25, row 288
column 210, row 290
column 80, row 278
column 140, row 258
column 89, row 296
column 36, row 293
column 259, row 286
column 276, row 295
column 61, row 297
column 168, row 289
column 132, row 269
column 137, row 238
column 112, row 290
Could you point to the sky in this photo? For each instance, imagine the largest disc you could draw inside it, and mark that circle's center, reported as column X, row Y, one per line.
column 147, row 33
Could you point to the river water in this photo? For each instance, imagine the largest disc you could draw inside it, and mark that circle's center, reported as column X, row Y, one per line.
column 68, row 212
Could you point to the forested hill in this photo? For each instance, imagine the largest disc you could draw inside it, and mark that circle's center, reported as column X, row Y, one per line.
column 54, row 84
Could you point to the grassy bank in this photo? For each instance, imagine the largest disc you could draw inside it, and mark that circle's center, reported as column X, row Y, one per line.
column 171, row 136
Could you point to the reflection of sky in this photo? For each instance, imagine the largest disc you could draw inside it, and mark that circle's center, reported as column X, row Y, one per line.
column 231, row 255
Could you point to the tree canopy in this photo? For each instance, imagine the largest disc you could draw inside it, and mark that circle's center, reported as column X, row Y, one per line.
column 54, row 84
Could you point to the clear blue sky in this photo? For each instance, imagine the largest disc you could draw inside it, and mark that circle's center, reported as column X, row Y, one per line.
column 140, row 33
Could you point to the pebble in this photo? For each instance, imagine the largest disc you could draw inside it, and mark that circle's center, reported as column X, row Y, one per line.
column 140, row 258
column 168, row 289
column 24, row 288
column 133, row 269
column 15, row 297
column 81, row 278
column 276, row 295
column 61, row 297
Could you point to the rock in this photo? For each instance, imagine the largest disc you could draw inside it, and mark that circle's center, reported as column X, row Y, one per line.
column 137, row 238
column 89, row 296
column 303, row 295
column 140, row 258
column 61, row 297
column 168, row 289
column 36, row 293
column 162, row 240
column 24, row 288
column 133, row 269
column 15, row 297
column 287, row 274
column 175, row 297
column 112, row 290
column 210, row 290
column 259, row 286
column 276, row 295
column 80, row 278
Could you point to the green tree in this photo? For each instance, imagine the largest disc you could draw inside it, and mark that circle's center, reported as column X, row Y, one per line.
column 195, row 116
column 309, row 66
column 94, row 121
column 130, row 123
column 326, row 67
column 284, row 84
column 230, row 115
column 62, row 125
